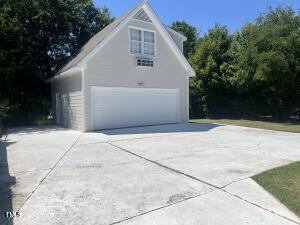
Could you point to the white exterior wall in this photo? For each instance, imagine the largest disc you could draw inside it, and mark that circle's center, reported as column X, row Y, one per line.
column 71, row 101
column 112, row 66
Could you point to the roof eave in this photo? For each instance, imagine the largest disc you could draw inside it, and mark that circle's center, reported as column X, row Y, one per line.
column 192, row 73
column 64, row 74
column 184, row 38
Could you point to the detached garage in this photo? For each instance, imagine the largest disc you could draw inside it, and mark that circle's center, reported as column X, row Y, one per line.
column 132, row 73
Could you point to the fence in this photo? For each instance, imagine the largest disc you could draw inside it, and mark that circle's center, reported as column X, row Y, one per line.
column 246, row 112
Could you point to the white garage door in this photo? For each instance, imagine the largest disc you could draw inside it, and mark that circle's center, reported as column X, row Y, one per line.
column 129, row 107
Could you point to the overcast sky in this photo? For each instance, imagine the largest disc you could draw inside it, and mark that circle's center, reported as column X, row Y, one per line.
column 203, row 14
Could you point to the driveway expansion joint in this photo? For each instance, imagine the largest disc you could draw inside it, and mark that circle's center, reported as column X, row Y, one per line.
column 45, row 177
column 166, row 167
column 254, row 204
column 216, row 188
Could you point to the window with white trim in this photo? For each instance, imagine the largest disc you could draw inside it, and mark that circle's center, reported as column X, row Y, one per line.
column 142, row 42
column 135, row 41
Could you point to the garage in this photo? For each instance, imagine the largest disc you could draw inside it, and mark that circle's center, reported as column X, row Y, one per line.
column 117, row 107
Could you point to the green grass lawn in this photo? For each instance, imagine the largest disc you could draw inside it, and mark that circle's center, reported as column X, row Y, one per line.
column 284, row 184
column 287, row 127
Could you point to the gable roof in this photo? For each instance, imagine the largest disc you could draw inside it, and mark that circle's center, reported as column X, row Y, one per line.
column 94, row 41
column 102, row 37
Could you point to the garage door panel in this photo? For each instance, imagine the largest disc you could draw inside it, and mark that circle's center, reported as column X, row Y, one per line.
column 127, row 107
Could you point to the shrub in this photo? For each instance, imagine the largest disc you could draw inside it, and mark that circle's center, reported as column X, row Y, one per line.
column 43, row 120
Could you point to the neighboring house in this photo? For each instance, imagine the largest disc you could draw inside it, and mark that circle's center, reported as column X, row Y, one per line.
column 132, row 73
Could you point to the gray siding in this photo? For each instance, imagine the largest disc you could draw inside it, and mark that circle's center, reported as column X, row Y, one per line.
column 177, row 39
column 70, row 101
column 112, row 66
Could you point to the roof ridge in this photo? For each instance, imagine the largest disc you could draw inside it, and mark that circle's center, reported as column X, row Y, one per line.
column 95, row 42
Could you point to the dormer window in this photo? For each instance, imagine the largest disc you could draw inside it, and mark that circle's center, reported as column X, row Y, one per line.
column 142, row 42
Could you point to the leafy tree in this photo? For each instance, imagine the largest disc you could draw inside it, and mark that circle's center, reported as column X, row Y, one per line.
column 268, row 62
column 211, row 62
column 190, row 32
column 36, row 38
column 253, row 73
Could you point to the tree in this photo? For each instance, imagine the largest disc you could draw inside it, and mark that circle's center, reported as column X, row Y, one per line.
column 36, row 38
column 268, row 62
column 190, row 32
column 253, row 73
column 211, row 63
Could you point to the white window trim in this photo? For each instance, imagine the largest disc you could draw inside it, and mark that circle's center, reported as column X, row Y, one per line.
column 142, row 31
column 135, row 41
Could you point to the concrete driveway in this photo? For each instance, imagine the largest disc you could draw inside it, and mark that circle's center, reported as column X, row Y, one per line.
column 174, row 174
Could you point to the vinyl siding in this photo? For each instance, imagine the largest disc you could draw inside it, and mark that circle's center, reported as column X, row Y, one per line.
column 178, row 40
column 71, row 101
column 112, row 66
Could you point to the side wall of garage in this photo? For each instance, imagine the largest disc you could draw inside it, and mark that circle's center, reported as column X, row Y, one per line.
column 67, row 96
column 113, row 66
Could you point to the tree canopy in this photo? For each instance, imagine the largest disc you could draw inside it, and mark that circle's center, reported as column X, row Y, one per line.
column 190, row 32
column 253, row 72
column 36, row 38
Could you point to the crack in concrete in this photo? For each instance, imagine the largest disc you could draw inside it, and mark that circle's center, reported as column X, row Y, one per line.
column 46, row 176
column 236, row 181
column 197, row 179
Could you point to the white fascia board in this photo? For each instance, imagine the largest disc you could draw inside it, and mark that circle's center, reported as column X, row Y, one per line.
column 65, row 74
column 169, row 39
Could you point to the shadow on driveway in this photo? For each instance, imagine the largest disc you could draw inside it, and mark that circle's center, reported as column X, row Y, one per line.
column 6, row 182
column 163, row 129
column 35, row 129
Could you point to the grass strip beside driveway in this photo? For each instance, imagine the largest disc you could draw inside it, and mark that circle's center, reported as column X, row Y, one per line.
column 286, row 127
column 284, row 184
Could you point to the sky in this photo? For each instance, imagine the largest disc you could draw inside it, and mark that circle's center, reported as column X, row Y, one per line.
column 203, row 14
